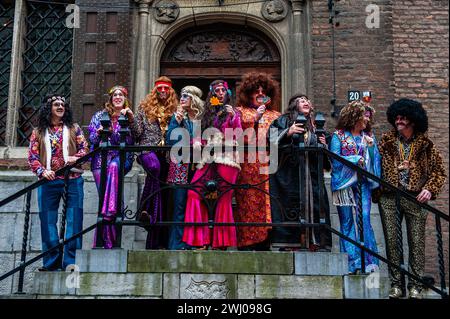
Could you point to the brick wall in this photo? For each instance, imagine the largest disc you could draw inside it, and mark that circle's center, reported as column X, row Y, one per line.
column 406, row 57
column 420, row 34
column 363, row 56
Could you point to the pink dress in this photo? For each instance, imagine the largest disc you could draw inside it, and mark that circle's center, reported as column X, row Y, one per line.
column 196, row 209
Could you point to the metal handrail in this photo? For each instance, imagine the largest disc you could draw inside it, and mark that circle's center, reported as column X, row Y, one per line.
column 391, row 187
column 42, row 181
column 122, row 148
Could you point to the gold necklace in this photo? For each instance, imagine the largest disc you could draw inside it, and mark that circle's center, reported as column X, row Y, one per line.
column 405, row 163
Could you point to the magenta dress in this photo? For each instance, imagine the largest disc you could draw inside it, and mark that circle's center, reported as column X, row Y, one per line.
column 196, row 210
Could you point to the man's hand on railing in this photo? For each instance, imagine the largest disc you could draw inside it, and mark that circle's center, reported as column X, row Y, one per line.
column 129, row 113
column 361, row 162
column 296, row 128
column 424, row 196
column 50, row 175
column 71, row 160
column 323, row 141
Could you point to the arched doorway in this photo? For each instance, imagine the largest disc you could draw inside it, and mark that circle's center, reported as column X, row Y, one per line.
column 200, row 55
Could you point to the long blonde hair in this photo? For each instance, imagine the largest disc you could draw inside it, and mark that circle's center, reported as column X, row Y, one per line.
column 197, row 104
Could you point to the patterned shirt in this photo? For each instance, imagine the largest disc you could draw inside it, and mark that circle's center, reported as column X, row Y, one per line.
column 57, row 159
column 403, row 175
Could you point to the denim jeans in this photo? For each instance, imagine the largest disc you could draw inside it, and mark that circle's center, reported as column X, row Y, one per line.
column 176, row 232
column 49, row 198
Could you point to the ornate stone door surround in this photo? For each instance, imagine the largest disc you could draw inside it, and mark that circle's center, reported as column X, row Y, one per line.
column 161, row 20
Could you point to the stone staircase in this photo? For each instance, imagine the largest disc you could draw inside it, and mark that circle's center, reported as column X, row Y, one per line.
column 212, row 274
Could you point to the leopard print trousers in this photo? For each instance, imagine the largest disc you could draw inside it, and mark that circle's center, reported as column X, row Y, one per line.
column 415, row 228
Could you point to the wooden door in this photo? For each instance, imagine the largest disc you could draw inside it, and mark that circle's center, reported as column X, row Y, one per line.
column 201, row 55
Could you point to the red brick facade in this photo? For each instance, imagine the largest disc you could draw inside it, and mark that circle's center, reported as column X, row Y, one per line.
column 406, row 57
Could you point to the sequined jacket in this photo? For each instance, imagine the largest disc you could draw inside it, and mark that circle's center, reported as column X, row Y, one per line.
column 146, row 132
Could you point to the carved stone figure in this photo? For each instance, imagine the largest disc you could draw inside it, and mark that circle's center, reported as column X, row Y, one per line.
column 274, row 10
column 221, row 46
column 166, row 11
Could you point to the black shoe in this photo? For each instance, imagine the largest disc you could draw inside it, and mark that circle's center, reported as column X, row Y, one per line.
column 355, row 272
column 48, row 269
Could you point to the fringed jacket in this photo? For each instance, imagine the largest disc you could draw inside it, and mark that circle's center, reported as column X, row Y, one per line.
column 427, row 169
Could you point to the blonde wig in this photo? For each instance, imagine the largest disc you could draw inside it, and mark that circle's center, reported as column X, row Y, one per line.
column 197, row 104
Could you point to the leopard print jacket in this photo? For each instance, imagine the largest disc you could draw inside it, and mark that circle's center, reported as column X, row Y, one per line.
column 427, row 171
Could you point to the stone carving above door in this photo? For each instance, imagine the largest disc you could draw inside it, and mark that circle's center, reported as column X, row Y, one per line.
column 274, row 10
column 221, row 46
column 166, row 11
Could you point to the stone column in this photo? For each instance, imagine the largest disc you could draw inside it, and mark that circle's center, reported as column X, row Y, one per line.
column 297, row 49
column 15, row 83
column 143, row 54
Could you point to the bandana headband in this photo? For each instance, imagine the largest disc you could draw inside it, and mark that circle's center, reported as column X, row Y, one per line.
column 159, row 83
column 54, row 98
column 187, row 93
column 223, row 83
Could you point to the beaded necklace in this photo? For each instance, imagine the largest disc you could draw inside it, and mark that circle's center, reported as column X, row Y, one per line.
column 405, row 163
column 54, row 135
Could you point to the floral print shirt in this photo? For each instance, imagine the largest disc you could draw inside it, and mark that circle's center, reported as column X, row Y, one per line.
column 38, row 165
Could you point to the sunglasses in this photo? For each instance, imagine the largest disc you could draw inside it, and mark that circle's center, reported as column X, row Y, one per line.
column 302, row 99
column 58, row 104
column 220, row 89
column 162, row 88
column 185, row 96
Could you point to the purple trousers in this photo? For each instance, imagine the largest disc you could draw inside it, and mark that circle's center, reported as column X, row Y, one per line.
column 109, row 208
column 151, row 197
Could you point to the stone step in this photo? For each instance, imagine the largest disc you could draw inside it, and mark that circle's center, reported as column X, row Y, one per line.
column 188, row 286
column 119, row 273
column 212, row 262
column 55, row 285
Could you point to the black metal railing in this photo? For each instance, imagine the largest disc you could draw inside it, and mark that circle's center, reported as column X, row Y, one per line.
column 299, row 150
column 62, row 242
column 399, row 193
